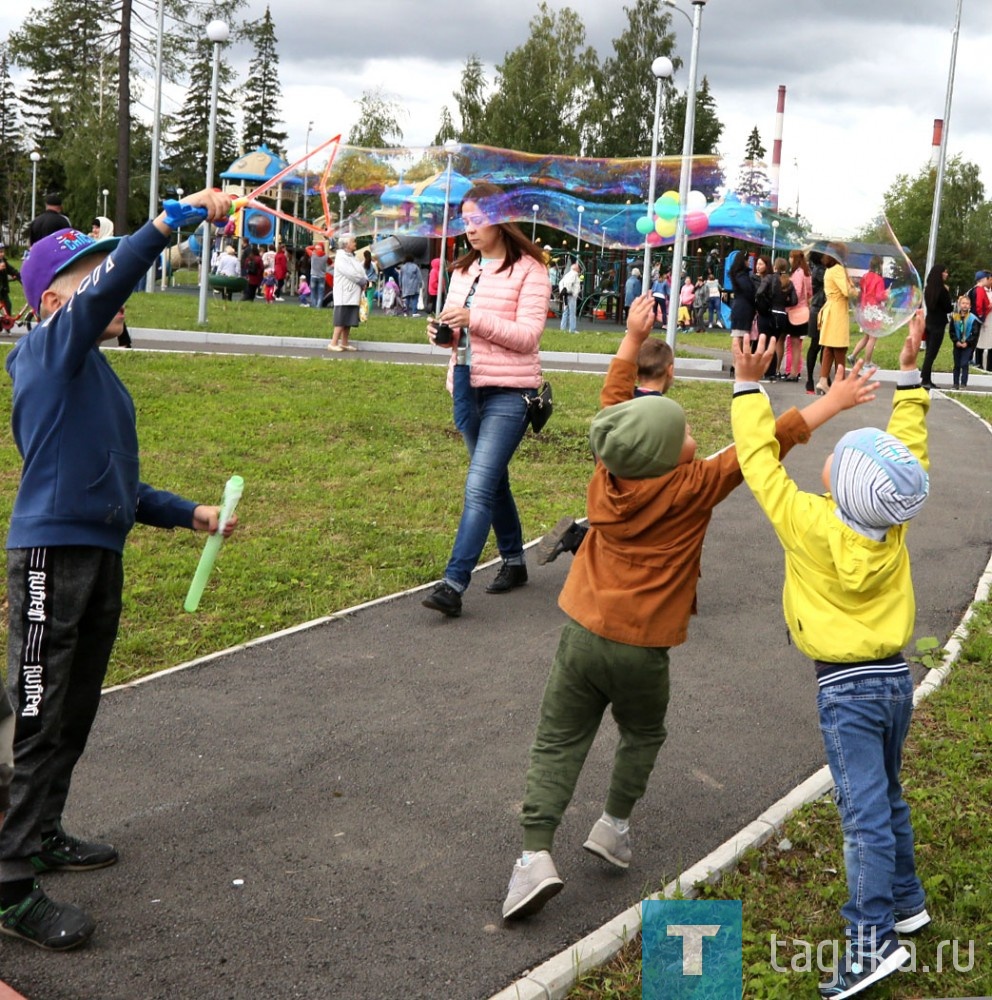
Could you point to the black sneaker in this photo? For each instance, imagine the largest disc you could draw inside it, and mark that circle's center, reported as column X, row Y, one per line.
column 565, row 536
column 444, row 598
column 910, row 923
column 51, row 925
column 508, row 578
column 853, row 977
column 62, row 852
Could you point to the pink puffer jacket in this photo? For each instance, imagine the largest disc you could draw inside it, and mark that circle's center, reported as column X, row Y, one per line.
column 507, row 318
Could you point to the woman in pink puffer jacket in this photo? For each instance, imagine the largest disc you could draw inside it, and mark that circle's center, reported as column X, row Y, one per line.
column 496, row 305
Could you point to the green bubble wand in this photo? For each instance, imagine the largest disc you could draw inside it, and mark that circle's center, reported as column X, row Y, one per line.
column 232, row 494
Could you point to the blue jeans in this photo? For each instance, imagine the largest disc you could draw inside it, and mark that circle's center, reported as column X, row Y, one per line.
column 864, row 724
column 317, row 293
column 568, row 313
column 713, row 306
column 962, row 358
column 492, row 420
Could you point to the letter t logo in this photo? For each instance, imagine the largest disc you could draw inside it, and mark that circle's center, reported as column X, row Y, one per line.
column 692, row 944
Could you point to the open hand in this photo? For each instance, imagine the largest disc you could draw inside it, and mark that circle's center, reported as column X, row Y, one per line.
column 911, row 346
column 854, row 387
column 640, row 319
column 750, row 367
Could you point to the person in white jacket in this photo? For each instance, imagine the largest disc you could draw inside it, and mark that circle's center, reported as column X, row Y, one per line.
column 349, row 284
column 570, row 286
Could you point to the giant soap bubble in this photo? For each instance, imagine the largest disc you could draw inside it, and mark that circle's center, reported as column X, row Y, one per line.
column 881, row 308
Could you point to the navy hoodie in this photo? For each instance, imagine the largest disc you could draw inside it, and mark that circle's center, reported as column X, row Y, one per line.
column 74, row 421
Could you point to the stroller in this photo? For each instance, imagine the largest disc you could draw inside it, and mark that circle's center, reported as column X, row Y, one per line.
column 392, row 304
column 8, row 322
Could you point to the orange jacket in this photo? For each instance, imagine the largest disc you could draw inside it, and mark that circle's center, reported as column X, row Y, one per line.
column 634, row 577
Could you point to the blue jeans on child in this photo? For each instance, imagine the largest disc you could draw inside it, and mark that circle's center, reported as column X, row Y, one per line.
column 962, row 359
column 864, row 724
column 492, row 420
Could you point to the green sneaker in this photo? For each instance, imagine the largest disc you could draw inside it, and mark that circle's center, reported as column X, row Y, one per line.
column 45, row 923
column 62, row 852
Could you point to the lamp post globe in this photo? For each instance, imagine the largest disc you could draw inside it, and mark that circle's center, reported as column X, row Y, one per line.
column 217, row 31
column 662, row 68
column 35, row 157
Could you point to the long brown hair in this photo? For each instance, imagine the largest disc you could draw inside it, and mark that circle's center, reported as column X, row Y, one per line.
column 490, row 199
column 798, row 259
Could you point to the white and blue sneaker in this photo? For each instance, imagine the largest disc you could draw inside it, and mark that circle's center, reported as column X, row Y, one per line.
column 854, row 976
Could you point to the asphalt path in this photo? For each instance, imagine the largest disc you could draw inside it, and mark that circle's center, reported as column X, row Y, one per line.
column 333, row 812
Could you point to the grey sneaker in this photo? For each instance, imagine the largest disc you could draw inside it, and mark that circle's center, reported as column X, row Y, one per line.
column 606, row 842
column 531, row 886
column 910, row 923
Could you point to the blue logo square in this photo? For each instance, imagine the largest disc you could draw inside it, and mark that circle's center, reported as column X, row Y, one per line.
column 692, row 949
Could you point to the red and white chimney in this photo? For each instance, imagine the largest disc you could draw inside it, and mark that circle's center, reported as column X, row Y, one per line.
column 777, row 147
column 938, row 136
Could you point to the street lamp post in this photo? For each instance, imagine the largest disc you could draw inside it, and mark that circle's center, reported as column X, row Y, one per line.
column 602, row 249
column 306, row 171
column 578, row 233
column 662, row 69
column 217, row 32
column 105, row 192
column 156, row 137
column 942, row 160
column 774, row 235
column 341, row 198
column 450, row 147
column 533, row 229
column 685, row 181
column 35, row 157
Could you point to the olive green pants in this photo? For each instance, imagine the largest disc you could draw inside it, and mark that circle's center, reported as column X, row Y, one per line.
column 588, row 674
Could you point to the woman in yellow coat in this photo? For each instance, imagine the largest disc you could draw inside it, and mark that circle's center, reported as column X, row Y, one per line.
column 834, row 319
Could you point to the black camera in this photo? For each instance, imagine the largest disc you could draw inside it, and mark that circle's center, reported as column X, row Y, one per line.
column 444, row 337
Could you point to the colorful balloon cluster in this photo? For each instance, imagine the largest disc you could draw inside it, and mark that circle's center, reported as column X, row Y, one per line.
column 663, row 224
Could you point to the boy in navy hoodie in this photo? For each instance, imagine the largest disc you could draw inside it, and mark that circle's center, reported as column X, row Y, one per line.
column 74, row 424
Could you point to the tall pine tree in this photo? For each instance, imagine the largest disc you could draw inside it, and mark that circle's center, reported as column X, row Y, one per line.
column 753, row 184
column 13, row 158
column 471, row 100
column 620, row 116
column 543, row 87
column 189, row 129
column 261, row 89
column 707, row 131
column 69, row 103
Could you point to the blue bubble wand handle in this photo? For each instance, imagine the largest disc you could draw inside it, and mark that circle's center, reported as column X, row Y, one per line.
column 232, row 494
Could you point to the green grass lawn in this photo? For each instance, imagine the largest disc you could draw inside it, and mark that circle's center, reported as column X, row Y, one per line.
column 353, row 483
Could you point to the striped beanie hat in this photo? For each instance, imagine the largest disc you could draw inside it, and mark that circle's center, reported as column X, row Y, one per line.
column 876, row 480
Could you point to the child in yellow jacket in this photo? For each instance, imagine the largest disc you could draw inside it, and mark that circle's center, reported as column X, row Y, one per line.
column 849, row 606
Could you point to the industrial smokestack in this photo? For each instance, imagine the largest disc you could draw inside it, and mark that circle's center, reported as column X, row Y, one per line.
column 777, row 147
column 938, row 135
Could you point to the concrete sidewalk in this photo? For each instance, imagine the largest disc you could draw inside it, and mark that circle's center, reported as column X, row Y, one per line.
column 331, row 812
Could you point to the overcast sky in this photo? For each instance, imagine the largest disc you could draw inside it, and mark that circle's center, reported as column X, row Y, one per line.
column 864, row 78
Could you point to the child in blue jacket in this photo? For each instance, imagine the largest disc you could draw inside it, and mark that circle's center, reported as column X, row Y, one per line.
column 74, row 425
column 965, row 328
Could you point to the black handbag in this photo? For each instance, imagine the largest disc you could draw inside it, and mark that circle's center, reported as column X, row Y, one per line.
column 540, row 407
